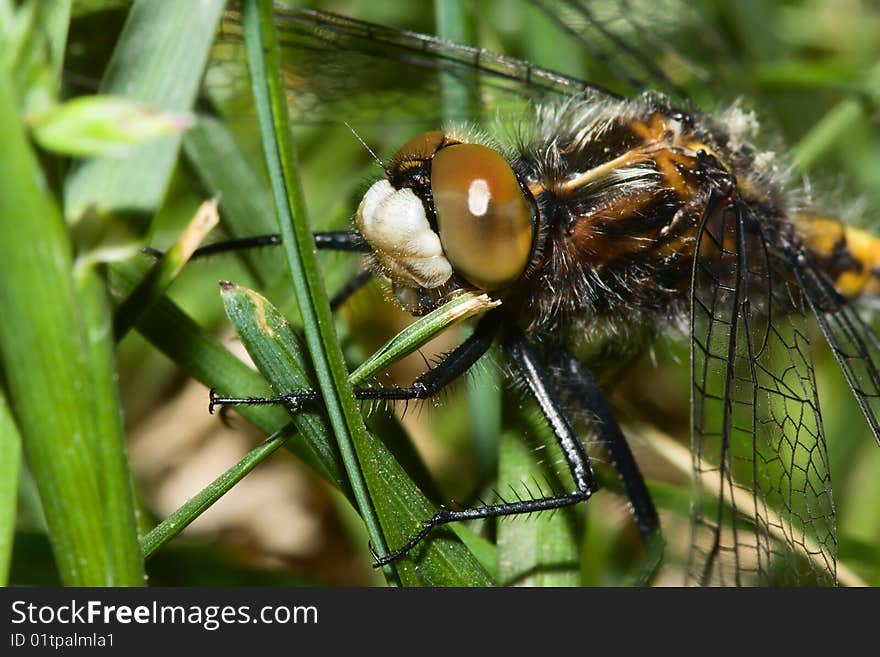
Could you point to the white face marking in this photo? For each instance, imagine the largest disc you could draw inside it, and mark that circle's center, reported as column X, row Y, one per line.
column 393, row 222
column 479, row 196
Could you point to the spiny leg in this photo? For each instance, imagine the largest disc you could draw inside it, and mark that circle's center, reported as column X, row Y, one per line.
column 453, row 365
column 350, row 241
column 431, row 382
column 583, row 388
column 536, row 380
column 428, row 384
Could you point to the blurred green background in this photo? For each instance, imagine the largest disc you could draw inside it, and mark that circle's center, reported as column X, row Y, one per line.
column 809, row 69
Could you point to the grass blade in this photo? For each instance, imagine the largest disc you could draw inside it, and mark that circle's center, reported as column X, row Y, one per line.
column 275, row 347
column 244, row 200
column 114, row 481
column 276, row 350
column 455, row 22
column 162, row 274
column 46, row 367
column 198, row 353
column 332, row 376
column 198, row 504
column 10, row 462
column 159, row 60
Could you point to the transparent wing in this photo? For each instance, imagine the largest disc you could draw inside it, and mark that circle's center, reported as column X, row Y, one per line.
column 664, row 45
column 763, row 511
column 854, row 344
column 350, row 69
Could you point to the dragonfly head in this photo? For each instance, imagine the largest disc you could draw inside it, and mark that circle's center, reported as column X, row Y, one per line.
column 448, row 215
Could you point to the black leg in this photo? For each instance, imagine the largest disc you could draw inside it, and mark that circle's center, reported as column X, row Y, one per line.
column 445, row 516
column 331, row 241
column 536, row 380
column 355, row 284
column 341, row 241
column 582, row 387
column 427, row 385
column 453, row 365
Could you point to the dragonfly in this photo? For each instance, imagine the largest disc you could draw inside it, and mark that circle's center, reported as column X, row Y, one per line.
column 610, row 207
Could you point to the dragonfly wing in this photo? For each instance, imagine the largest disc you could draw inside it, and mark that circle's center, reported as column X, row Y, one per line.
column 634, row 45
column 853, row 342
column 763, row 510
column 341, row 67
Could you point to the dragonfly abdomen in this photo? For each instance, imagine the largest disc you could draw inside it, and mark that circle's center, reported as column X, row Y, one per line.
column 850, row 256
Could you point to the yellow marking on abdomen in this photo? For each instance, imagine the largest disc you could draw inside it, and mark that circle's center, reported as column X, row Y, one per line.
column 832, row 244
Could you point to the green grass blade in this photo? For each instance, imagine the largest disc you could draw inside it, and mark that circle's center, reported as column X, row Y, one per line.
column 276, row 349
column 114, row 481
column 264, row 62
column 45, row 366
column 198, row 504
column 159, row 60
column 244, row 199
column 10, row 463
column 198, row 353
column 162, row 274
column 455, row 22
column 420, row 332
column 57, row 17
column 277, row 352
column 826, row 132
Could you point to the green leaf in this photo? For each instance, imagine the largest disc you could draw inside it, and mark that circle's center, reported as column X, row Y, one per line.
column 111, row 126
column 159, row 60
column 10, row 462
column 48, row 367
column 277, row 352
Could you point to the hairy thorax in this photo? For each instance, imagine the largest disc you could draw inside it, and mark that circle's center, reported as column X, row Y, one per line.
column 622, row 190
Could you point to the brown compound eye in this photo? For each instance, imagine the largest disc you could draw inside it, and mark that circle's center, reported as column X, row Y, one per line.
column 420, row 147
column 483, row 217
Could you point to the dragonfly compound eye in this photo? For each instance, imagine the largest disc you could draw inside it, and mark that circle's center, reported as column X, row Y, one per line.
column 483, row 217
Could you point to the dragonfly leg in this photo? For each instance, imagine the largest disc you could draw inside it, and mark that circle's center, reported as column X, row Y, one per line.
column 537, row 382
column 584, row 391
column 583, row 388
column 329, row 241
column 348, row 241
column 428, row 384
column 356, row 283
column 445, row 516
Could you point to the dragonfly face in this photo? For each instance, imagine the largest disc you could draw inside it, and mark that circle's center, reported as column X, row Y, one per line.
column 623, row 211
column 448, row 207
